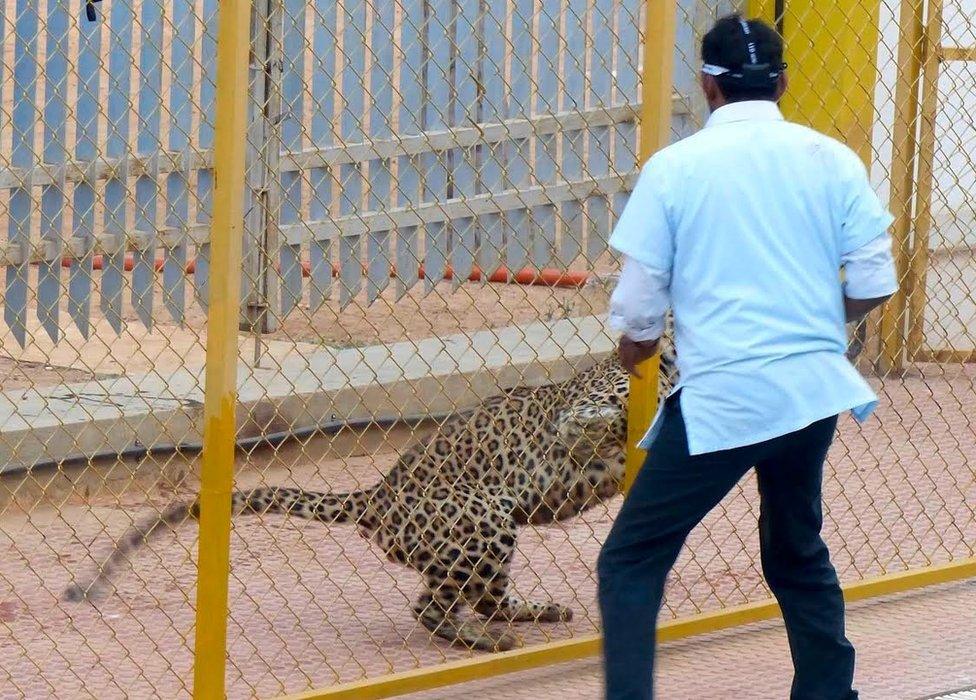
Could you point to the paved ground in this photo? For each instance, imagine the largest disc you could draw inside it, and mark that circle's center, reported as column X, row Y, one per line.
column 311, row 607
column 909, row 647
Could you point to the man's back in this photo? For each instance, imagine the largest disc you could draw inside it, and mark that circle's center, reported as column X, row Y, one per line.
column 742, row 230
column 752, row 218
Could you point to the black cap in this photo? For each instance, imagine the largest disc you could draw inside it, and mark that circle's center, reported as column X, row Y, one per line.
column 751, row 74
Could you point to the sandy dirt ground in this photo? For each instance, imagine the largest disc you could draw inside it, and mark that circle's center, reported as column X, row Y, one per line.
column 446, row 309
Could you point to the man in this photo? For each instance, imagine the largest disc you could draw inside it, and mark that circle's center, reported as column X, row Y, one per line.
column 742, row 230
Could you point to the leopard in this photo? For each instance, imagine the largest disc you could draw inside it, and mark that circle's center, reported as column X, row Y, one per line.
column 454, row 502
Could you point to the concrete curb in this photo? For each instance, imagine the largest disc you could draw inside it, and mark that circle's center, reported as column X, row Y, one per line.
column 308, row 385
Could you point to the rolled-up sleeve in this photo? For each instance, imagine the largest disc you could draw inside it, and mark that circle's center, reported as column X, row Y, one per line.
column 644, row 236
column 865, row 244
column 640, row 301
column 865, row 217
column 869, row 271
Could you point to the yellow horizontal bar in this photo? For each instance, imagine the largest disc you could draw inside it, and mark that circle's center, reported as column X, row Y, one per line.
column 559, row 652
column 951, row 357
column 466, row 670
column 481, row 667
column 455, row 672
column 889, row 584
column 958, row 53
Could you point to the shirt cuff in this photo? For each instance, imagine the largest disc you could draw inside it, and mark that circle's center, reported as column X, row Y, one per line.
column 653, row 329
column 870, row 271
column 640, row 301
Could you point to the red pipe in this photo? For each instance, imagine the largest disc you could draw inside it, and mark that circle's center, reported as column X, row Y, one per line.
column 528, row 276
column 546, row 277
column 98, row 263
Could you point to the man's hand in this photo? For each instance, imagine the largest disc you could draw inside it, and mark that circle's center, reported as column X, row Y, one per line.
column 633, row 352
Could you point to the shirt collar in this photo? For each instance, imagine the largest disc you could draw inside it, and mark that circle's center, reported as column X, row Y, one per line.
column 750, row 110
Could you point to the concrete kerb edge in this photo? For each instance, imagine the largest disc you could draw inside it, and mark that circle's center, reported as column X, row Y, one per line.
column 76, row 421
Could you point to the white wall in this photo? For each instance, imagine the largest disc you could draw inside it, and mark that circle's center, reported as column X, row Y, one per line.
column 950, row 319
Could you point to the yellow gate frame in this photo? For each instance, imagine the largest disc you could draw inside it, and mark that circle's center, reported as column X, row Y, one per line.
column 853, row 84
column 220, row 389
column 933, row 54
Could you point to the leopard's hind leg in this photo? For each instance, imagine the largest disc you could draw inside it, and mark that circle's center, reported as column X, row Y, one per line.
column 499, row 603
column 437, row 610
column 488, row 589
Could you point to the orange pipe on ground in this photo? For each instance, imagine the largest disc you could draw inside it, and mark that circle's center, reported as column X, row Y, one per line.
column 98, row 263
column 527, row 276
column 546, row 277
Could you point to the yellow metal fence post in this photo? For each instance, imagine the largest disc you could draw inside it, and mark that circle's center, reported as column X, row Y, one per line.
column 657, row 87
column 220, row 402
column 831, row 49
column 765, row 10
column 926, row 57
column 903, row 181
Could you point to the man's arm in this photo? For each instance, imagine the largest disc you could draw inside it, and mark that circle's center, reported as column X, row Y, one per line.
column 870, row 278
column 865, row 244
column 638, row 307
column 644, row 237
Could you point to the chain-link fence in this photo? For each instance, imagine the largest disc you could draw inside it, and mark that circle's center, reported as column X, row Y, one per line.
column 430, row 185
column 105, row 183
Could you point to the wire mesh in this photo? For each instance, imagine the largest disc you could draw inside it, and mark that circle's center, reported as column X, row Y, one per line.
column 103, row 177
column 450, row 172
column 431, row 185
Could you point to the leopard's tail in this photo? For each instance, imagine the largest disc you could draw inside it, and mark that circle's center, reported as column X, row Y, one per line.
column 312, row 505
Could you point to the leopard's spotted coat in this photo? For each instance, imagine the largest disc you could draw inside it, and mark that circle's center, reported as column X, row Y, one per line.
column 452, row 505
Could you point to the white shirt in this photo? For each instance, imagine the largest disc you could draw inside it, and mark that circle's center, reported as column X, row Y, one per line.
column 742, row 230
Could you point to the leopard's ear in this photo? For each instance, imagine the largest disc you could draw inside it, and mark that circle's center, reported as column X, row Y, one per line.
column 589, row 414
column 587, row 418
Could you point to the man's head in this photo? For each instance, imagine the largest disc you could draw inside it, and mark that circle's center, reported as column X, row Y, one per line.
column 743, row 60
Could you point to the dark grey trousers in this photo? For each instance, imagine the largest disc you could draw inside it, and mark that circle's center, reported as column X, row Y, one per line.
column 671, row 494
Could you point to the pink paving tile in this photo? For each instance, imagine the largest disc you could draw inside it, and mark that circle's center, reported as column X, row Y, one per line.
column 312, row 606
column 909, row 647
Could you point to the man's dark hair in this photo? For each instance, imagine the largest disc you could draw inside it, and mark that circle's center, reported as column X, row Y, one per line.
column 726, row 45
